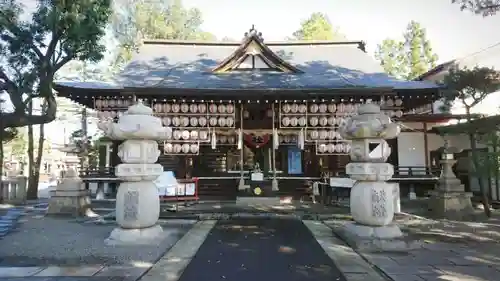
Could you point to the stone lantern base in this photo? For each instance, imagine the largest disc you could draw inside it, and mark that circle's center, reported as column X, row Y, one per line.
column 375, row 239
column 135, row 236
column 451, row 205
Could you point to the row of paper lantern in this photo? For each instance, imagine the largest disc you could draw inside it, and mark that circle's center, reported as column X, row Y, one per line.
column 193, row 108
column 324, row 135
column 334, row 148
column 184, row 121
column 102, row 103
column 185, row 135
column 181, row 148
column 313, row 121
column 294, row 108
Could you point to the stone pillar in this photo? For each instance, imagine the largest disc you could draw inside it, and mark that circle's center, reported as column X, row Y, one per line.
column 70, row 197
column 137, row 200
column 372, row 199
column 449, row 200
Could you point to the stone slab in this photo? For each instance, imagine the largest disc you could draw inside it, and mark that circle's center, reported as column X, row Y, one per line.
column 372, row 243
column 69, row 271
column 6, row 272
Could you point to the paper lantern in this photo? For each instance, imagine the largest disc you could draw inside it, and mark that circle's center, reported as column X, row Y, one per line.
column 185, row 148
column 193, row 135
column 168, row 148
column 212, row 108
column 313, row 108
column 313, row 121
column 177, row 148
column 332, row 135
column 323, row 135
column 229, row 121
column 202, row 121
column 314, row 135
column 177, row 135
column 398, row 102
column 213, row 121
column 294, row 121
column 193, row 148
column 158, row 107
column 222, row 108
column 230, row 108
column 193, row 121
column 176, row 108
column 302, row 108
column 330, row 148
column 222, row 121
column 294, row 108
column 203, row 135
column 286, row 108
column 331, row 121
column 332, row 108
column 322, row 148
column 323, row 121
column 167, row 107
column 193, row 108
column 285, row 121
column 302, row 121
column 202, row 108
column 323, row 108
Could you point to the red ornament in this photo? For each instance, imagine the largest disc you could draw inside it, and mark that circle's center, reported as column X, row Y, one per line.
column 255, row 141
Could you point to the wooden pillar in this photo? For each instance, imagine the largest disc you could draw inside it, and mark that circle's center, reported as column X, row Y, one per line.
column 426, row 146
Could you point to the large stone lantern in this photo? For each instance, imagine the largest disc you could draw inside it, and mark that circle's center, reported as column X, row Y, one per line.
column 372, row 198
column 137, row 200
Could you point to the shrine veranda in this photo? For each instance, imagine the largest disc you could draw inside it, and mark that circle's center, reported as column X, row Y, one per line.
column 232, row 106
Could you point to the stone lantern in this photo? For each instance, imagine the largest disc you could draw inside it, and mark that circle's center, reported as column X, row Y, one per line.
column 372, row 201
column 449, row 199
column 137, row 200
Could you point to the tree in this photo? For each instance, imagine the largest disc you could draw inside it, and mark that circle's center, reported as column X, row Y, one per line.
column 317, row 27
column 409, row 58
column 133, row 21
column 33, row 51
column 480, row 7
column 470, row 87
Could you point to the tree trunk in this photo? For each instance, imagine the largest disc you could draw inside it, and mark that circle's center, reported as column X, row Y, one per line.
column 1, row 166
column 475, row 165
column 32, row 192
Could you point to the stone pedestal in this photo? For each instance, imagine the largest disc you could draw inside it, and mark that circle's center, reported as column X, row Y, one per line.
column 70, row 198
column 137, row 200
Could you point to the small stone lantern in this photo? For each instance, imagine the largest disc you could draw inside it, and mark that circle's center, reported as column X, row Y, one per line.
column 449, row 199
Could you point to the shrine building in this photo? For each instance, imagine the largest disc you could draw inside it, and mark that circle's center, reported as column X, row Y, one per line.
column 272, row 106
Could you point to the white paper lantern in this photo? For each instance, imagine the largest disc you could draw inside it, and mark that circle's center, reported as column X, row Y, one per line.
column 167, row 107
column 302, row 108
column 314, row 135
column 223, row 139
column 323, row 135
column 222, row 108
column 202, row 108
column 286, row 108
column 222, row 121
column 323, row 121
column 212, row 108
column 168, row 148
column 98, row 103
column 193, row 108
column 185, row 148
column 313, row 108
column 332, row 135
column 193, row 148
column 158, row 107
column 166, row 121
column 302, row 121
column 177, row 148
column 193, row 135
column 104, row 103
column 230, row 108
column 313, row 121
column 331, row 148
column 184, row 108
column 294, row 121
column 229, row 121
column 177, row 135
column 203, row 135
column 176, row 108
column 331, row 121
column 389, row 102
column 398, row 102
column 332, row 108
column 285, row 121
column 193, row 121
column 294, row 108
column 213, row 121
column 202, row 121
column 322, row 148
column 323, row 108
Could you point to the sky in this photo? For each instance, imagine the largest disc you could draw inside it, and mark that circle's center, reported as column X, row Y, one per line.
column 453, row 33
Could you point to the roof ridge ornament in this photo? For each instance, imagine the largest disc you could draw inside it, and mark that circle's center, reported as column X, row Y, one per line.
column 252, row 32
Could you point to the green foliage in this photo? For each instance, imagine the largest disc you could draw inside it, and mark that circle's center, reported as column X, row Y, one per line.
column 480, row 7
column 133, row 21
column 410, row 57
column 317, row 27
column 32, row 51
column 84, row 146
column 470, row 86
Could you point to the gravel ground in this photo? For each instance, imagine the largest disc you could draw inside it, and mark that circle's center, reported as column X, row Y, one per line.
column 42, row 241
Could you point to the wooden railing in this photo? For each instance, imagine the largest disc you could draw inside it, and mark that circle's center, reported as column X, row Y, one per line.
column 400, row 173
